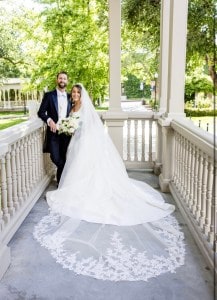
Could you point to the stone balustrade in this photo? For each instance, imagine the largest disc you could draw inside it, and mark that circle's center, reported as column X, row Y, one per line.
column 24, row 174
column 191, row 177
column 139, row 141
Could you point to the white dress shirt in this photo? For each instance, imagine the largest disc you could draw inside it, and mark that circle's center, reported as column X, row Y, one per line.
column 62, row 104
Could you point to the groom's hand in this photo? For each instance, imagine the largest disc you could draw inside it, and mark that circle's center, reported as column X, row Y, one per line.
column 52, row 126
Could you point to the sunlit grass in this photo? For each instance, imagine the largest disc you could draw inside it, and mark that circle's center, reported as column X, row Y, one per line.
column 204, row 123
column 8, row 119
column 12, row 113
column 10, row 122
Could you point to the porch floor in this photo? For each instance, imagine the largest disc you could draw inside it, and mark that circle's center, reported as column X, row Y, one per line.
column 33, row 273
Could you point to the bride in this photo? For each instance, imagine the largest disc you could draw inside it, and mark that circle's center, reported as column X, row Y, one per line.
column 102, row 223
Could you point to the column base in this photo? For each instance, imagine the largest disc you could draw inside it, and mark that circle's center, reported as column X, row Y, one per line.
column 164, row 184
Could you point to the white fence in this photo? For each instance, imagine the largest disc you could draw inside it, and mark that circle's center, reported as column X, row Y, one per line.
column 193, row 183
column 139, row 142
column 24, row 174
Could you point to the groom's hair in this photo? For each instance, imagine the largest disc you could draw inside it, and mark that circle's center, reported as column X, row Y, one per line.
column 62, row 72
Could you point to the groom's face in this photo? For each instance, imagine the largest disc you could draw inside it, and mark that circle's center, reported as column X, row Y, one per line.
column 62, row 81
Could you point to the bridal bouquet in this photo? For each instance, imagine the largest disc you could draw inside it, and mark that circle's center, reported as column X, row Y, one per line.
column 68, row 125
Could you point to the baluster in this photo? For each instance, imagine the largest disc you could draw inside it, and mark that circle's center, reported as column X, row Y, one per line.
column 14, row 177
column 42, row 156
column 154, row 135
column 1, row 212
column 29, row 151
column 208, row 197
column 204, row 191
column 33, row 145
column 197, row 205
column 23, row 174
column 1, row 216
column 178, row 181
column 184, row 171
column 4, row 192
column 11, row 208
column 196, row 164
column 182, row 166
column 26, row 164
column 150, row 140
column 19, row 176
column 188, row 178
column 132, row 152
column 143, row 141
column 45, row 164
column 192, row 167
column 211, row 235
column 128, row 139
column 175, row 158
column 135, row 140
column 37, row 155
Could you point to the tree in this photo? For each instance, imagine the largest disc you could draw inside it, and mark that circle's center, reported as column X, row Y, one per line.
column 62, row 35
column 143, row 17
column 76, row 42
column 11, row 57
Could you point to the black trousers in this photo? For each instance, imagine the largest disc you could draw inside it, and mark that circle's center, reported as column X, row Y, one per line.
column 58, row 148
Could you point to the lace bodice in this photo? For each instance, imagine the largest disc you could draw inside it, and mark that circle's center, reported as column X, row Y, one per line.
column 75, row 113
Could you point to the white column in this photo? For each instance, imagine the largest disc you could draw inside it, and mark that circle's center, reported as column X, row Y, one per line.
column 9, row 99
column 15, row 95
column 115, row 117
column 177, row 58
column 164, row 58
column 114, row 55
column 4, row 98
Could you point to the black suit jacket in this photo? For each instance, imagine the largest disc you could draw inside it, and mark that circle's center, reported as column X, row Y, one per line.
column 49, row 109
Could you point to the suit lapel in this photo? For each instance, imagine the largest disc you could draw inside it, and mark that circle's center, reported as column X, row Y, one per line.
column 55, row 100
column 69, row 105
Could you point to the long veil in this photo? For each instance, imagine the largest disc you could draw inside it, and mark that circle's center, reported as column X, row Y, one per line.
column 102, row 223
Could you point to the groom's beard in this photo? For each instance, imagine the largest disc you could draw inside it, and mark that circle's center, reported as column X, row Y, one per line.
column 62, row 85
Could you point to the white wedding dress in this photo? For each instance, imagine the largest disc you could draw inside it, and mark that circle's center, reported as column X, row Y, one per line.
column 102, row 223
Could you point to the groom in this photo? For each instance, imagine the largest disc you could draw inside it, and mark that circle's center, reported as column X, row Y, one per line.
column 55, row 106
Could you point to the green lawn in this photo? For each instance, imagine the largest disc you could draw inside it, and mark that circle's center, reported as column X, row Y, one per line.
column 8, row 119
column 203, row 123
column 11, row 113
column 5, row 123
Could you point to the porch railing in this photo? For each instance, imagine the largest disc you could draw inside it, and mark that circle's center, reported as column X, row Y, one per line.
column 193, row 182
column 139, row 141
column 24, row 174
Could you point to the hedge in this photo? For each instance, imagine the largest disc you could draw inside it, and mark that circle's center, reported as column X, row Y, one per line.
column 200, row 112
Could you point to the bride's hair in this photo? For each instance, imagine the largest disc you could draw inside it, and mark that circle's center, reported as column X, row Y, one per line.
column 79, row 87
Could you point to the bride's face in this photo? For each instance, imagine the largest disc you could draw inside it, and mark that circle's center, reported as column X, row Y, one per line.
column 76, row 94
